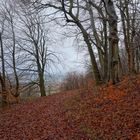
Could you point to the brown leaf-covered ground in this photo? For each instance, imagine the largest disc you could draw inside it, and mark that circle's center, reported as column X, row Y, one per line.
column 103, row 113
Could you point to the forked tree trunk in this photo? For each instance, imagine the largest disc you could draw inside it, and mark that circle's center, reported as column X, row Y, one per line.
column 113, row 41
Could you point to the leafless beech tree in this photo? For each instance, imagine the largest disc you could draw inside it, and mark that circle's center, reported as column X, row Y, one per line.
column 24, row 42
column 35, row 36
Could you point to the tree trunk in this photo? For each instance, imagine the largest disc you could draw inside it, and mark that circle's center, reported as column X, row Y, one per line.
column 96, row 72
column 113, row 41
column 95, row 66
column 40, row 71
column 42, row 85
column 2, row 58
column 4, row 92
column 16, row 94
column 101, row 44
column 93, row 59
column 98, row 43
column 3, row 77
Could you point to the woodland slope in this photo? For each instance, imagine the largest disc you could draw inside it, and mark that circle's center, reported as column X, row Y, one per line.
column 103, row 113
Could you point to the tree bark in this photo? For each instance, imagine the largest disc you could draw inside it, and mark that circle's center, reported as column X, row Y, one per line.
column 42, row 85
column 96, row 72
column 113, row 41
column 102, row 44
column 3, row 77
column 4, row 92
column 2, row 58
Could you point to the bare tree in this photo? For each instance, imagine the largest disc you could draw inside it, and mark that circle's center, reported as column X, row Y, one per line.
column 35, row 37
column 8, row 12
column 3, row 75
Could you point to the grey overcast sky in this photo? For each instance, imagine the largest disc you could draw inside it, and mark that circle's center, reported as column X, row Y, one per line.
column 72, row 59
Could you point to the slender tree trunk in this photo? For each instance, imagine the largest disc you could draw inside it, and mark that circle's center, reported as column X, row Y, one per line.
column 3, row 77
column 127, row 36
column 93, row 59
column 98, row 43
column 137, row 51
column 96, row 72
column 94, row 64
column 102, row 44
column 128, row 43
column 16, row 94
column 125, row 33
column 2, row 58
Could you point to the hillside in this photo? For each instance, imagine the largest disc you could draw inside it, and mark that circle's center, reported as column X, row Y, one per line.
column 103, row 113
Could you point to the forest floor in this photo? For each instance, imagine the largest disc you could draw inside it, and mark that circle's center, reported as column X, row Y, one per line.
column 110, row 113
